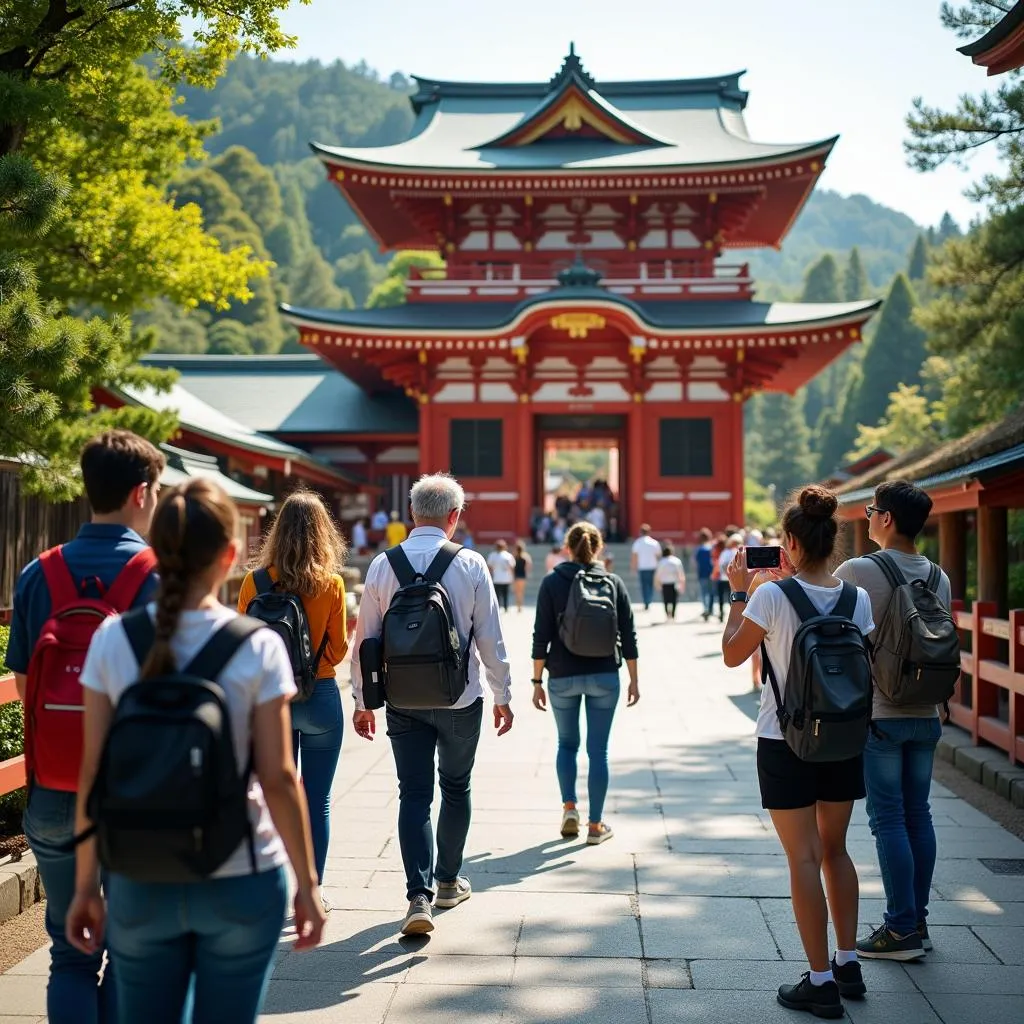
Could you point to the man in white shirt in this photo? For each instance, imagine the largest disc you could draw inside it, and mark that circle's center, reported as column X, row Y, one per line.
column 502, row 565
column 452, row 733
column 643, row 561
column 596, row 517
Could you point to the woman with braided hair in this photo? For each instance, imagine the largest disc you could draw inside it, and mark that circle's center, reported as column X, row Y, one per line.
column 200, row 951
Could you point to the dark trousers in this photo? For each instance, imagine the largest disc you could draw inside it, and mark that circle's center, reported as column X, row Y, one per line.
column 415, row 736
column 501, row 590
column 670, row 595
column 722, row 593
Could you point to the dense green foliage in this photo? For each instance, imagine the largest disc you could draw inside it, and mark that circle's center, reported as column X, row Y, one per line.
column 12, row 743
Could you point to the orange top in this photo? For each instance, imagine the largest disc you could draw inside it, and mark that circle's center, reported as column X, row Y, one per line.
column 326, row 611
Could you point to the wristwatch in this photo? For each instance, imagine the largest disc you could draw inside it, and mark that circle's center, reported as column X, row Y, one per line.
column 738, row 597
column 537, row 682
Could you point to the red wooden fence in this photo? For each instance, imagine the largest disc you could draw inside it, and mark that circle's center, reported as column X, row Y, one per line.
column 12, row 771
column 986, row 676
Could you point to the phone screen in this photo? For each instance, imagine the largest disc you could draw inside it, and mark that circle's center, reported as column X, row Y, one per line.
column 768, row 556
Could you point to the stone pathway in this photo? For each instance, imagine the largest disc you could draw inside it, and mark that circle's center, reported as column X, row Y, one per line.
column 683, row 916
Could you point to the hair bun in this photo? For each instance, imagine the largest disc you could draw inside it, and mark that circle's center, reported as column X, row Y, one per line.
column 818, row 502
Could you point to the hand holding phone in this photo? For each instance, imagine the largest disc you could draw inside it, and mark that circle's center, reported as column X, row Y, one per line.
column 767, row 556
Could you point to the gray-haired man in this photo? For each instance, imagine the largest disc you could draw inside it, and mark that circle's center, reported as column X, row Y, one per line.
column 453, row 733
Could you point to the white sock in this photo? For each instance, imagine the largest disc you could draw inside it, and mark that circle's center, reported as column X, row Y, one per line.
column 822, row 977
column 845, row 956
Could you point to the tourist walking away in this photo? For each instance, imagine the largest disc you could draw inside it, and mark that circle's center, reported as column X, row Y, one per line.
column 732, row 545
column 556, row 556
column 582, row 632
column 720, row 586
column 60, row 599
column 670, row 577
column 916, row 662
column 523, row 567
column 644, row 558
column 188, row 794
column 426, row 591
column 395, row 531
column 811, row 730
column 296, row 588
column 704, row 562
column 502, row 565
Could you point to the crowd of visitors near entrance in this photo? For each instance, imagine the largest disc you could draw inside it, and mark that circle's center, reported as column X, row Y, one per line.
column 594, row 502
column 181, row 752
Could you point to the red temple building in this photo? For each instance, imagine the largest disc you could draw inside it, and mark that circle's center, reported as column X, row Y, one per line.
column 584, row 299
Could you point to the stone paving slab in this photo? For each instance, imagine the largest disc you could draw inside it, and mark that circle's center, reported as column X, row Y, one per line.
column 684, row 916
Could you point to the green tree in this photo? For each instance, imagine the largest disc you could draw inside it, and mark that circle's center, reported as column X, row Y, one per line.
column 855, row 279
column 391, row 291
column 229, row 338
column 918, row 263
column 821, row 283
column 359, row 275
column 910, row 421
column 313, row 285
column 786, row 461
column 51, row 362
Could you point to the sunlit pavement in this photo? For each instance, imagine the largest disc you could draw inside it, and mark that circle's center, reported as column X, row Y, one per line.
column 682, row 916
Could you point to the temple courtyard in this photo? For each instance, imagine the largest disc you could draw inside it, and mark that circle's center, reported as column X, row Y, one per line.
column 682, row 917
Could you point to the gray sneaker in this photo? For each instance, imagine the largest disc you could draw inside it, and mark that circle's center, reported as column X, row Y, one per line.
column 451, row 894
column 420, row 918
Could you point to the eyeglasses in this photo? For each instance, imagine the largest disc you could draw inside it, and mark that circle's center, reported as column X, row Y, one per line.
column 870, row 510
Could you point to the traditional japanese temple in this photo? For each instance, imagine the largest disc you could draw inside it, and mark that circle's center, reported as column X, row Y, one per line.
column 585, row 297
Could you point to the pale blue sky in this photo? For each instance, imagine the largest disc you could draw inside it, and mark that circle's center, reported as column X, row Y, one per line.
column 815, row 67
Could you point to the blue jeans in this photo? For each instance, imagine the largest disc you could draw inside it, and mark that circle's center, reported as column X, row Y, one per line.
column 646, row 586
column 707, row 594
column 74, row 994
column 415, row 735
column 566, row 694
column 316, row 742
column 198, row 952
column 898, row 775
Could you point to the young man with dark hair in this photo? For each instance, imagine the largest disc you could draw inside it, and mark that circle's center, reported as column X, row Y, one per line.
column 120, row 473
column 901, row 749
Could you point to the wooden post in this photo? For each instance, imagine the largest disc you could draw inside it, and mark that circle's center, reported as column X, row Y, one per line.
column 524, row 448
column 635, row 468
column 430, row 461
column 953, row 551
column 861, row 542
column 1016, row 718
column 993, row 579
column 985, row 695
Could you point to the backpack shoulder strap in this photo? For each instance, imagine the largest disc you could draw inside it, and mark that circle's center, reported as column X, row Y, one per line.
column 221, row 647
column 846, row 606
column 141, row 632
column 58, row 578
column 890, row 570
column 131, row 578
column 934, row 578
column 444, row 558
column 797, row 598
column 263, row 580
column 400, row 565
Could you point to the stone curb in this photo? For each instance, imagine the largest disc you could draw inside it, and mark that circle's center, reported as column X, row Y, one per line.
column 986, row 765
column 20, row 886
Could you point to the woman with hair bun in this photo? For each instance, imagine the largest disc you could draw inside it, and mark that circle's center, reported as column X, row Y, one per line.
column 199, row 951
column 574, row 679
column 810, row 803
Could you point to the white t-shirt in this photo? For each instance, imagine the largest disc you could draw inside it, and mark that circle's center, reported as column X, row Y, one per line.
column 260, row 671
column 770, row 609
column 596, row 517
column 670, row 570
column 358, row 535
column 502, row 565
column 648, row 553
column 724, row 560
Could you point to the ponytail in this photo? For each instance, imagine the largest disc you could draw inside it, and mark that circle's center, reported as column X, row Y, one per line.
column 584, row 542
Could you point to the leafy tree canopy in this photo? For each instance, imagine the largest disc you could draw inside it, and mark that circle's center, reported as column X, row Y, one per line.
column 910, row 421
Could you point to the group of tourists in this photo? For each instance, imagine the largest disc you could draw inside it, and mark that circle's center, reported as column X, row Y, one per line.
column 594, row 502
column 166, row 732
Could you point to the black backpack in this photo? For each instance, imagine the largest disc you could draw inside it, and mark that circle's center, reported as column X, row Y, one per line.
column 424, row 664
column 589, row 626
column 915, row 651
column 827, row 709
column 169, row 803
column 285, row 614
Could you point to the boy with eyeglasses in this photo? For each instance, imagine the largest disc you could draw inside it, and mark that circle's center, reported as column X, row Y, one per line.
column 900, row 751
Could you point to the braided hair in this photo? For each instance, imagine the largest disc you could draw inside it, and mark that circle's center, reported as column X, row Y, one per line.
column 192, row 525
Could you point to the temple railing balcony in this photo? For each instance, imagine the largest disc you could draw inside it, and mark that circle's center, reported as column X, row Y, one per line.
column 639, row 279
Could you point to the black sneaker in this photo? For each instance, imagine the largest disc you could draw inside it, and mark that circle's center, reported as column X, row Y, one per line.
column 850, row 979
column 821, row 1000
column 881, row 944
column 922, row 932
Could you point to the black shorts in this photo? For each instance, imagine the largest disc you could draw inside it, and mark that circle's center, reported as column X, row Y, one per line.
column 788, row 783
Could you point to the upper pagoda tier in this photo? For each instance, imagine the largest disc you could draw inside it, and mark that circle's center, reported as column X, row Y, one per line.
column 664, row 167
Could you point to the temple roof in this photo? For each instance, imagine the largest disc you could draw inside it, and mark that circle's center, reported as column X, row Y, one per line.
column 573, row 122
column 690, row 314
column 1001, row 48
column 294, row 394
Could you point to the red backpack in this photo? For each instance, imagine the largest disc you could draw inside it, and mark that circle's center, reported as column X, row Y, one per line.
column 53, row 698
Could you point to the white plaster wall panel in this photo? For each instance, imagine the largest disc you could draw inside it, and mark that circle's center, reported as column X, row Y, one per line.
column 707, row 363
column 338, row 453
column 497, row 393
column 455, row 393
column 665, row 391
column 399, row 453
column 505, row 241
column 706, row 391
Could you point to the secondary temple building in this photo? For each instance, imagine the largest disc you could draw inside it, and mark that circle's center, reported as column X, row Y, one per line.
column 586, row 298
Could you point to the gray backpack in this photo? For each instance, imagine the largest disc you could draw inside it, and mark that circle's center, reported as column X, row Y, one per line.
column 826, row 712
column 589, row 626
column 916, row 649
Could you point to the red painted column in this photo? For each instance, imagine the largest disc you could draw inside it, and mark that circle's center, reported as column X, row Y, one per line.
column 430, row 461
column 635, row 468
column 738, row 467
column 524, row 454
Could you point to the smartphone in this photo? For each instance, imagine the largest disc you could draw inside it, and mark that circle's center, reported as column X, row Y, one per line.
column 768, row 556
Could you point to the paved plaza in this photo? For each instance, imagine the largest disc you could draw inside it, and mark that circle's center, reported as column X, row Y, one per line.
column 682, row 917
